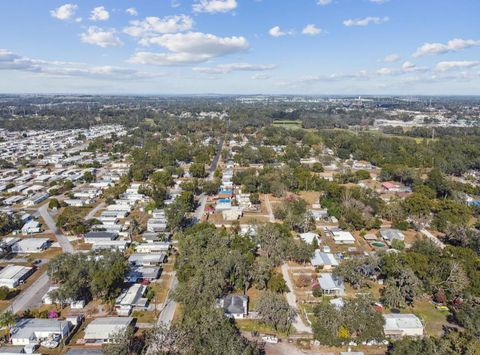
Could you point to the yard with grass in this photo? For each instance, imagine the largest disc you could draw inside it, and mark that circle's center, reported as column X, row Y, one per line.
column 288, row 124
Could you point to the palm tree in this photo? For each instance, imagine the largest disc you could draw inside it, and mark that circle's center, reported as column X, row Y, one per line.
column 7, row 320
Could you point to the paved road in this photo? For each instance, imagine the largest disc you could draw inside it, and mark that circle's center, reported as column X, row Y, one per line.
column 168, row 311
column 92, row 213
column 31, row 296
column 62, row 240
column 298, row 324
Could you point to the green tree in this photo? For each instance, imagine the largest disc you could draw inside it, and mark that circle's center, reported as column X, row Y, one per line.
column 274, row 310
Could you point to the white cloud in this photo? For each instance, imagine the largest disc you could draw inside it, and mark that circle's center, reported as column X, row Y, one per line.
column 213, row 6
column 99, row 14
column 379, row 1
column 311, row 30
column 366, row 21
column 278, row 32
column 152, row 26
column 453, row 45
column 100, row 37
column 228, row 68
column 189, row 48
column 132, row 11
column 64, row 12
column 391, row 58
column 12, row 61
column 323, row 2
column 175, row 3
column 406, row 68
column 453, row 65
column 261, row 76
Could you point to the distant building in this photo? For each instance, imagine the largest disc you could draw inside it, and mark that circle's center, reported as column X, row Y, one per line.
column 389, row 235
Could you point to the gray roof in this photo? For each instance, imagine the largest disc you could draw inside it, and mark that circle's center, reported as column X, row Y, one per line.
column 330, row 282
column 322, row 259
column 235, row 304
column 102, row 235
column 391, row 234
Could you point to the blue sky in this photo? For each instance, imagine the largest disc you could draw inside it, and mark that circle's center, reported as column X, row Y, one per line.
column 240, row 46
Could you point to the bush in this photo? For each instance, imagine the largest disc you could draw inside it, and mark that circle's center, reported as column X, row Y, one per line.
column 4, row 292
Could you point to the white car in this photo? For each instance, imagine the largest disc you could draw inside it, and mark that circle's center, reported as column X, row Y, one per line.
column 270, row 339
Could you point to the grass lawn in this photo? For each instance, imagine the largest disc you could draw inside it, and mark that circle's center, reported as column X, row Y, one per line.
column 293, row 124
column 251, row 325
column 432, row 318
column 145, row 316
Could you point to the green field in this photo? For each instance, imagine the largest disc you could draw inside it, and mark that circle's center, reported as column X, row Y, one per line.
column 288, row 124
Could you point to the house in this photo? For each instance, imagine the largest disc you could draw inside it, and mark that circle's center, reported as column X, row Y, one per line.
column 33, row 331
column 139, row 259
column 318, row 215
column 47, row 299
column 392, row 186
column 13, row 275
column 99, row 236
column 31, row 227
column 102, row 330
column 398, row 325
column 154, row 247
column 140, row 273
column 309, row 237
column 342, row 237
column 110, row 244
column 131, row 299
column 389, row 235
column 156, row 225
column 31, row 245
column 325, row 260
column 331, row 285
column 235, row 306
column 232, row 214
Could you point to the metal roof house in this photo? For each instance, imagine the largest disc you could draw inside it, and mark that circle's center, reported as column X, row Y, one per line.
column 12, row 275
column 331, row 285
column 399, row 325
column 131, row 299
column 31, row 245
column 33, row 331
column 101, row 330
column 325, row 260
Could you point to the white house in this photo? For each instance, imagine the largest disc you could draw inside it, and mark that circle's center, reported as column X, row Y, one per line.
column 31, row 227
column 30, row 245
column 101, row 330
column 131, row 299
column 309, row 237
column 398, row 325
column 12, row 275
column 33, row 331
column 331, row 285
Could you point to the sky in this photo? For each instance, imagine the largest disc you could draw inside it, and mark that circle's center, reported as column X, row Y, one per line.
column 315, row 47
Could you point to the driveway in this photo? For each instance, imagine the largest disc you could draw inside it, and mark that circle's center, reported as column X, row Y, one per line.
column 298, row 324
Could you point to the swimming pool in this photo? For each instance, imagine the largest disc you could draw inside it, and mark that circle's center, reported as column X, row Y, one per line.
column 225, row 200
